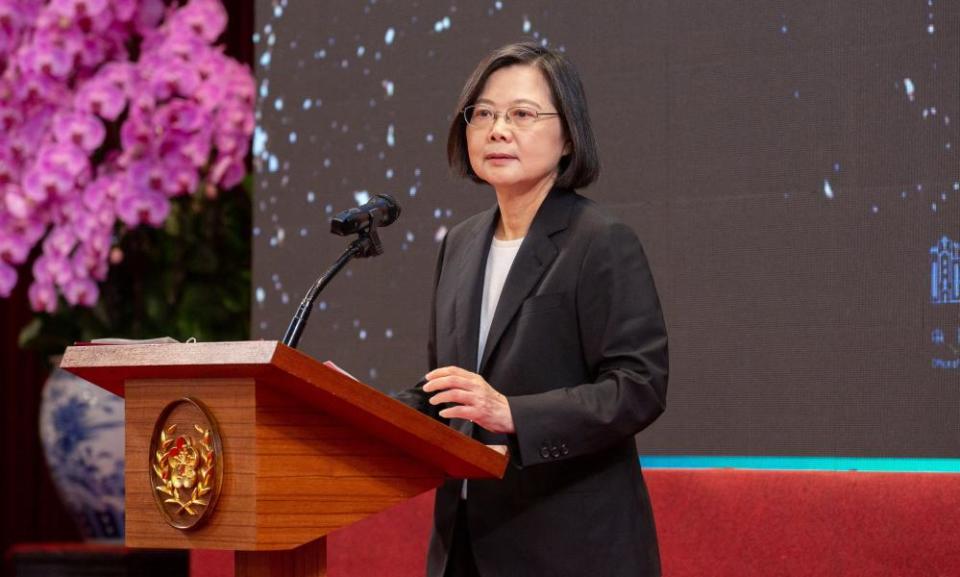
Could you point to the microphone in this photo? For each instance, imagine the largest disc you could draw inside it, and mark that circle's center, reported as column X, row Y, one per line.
column 363, row 221
column 381, row 210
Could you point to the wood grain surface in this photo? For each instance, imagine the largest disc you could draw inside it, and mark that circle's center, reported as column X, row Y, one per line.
column 309, row 560
column 306, row 449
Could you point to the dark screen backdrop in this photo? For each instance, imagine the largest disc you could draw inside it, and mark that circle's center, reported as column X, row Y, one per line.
column 791, row 168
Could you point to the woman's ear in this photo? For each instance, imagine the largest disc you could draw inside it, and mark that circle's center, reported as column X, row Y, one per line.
column 567, row 148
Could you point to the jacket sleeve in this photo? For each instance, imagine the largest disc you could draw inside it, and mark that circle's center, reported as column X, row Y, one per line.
column 415, row 396
column 623, row 340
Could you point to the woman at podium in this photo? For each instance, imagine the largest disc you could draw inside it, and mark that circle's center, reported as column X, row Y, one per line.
column 546, row 337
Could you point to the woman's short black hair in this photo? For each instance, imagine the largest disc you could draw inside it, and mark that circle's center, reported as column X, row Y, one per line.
column 577, row 169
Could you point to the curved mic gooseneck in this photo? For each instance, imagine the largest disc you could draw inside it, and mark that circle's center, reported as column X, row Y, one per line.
column 367, row 244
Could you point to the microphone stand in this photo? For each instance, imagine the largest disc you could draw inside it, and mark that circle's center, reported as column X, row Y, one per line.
column 367, row 244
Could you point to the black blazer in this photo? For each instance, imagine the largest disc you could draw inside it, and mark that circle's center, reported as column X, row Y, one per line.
column 579, row 347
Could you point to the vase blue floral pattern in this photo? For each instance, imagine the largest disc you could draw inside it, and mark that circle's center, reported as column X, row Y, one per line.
column 81, row 428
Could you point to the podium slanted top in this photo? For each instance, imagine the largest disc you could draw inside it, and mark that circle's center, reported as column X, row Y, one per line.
column 272, row 364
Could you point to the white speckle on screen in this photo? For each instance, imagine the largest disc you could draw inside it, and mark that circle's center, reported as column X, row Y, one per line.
column 260, row 138
column 909, row 88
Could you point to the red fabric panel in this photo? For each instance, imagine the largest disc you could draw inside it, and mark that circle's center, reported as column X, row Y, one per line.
column 392, row 543
column 728, row 523
column 209, row 563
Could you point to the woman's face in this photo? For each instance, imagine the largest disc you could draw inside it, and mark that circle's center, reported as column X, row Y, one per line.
column 510, row 158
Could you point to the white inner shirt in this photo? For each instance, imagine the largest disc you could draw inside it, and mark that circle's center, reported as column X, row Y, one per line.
column 499, row 260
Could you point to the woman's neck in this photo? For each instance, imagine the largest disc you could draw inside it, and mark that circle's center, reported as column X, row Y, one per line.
column 517, row 209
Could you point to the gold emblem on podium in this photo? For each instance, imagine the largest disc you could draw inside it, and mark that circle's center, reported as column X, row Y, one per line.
column 186, row 463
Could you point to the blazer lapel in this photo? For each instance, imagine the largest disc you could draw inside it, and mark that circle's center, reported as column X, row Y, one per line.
column 470, row 289
column 468, row 298
column 533, row 259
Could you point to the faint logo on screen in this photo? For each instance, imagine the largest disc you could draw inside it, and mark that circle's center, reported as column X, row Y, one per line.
column 945, row 272
column 945, row 290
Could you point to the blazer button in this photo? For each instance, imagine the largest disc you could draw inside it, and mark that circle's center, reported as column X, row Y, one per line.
column 545, row 452
column 555, row 452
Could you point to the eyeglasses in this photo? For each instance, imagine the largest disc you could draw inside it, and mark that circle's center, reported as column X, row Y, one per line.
column 481, row 116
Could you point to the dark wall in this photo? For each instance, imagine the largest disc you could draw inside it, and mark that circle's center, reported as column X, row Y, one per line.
column 788, row 166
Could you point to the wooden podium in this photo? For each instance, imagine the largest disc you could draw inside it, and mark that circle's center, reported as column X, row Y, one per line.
column 304, row 449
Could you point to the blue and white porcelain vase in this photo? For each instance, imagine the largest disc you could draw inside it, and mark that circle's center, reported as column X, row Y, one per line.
column 81, row 428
